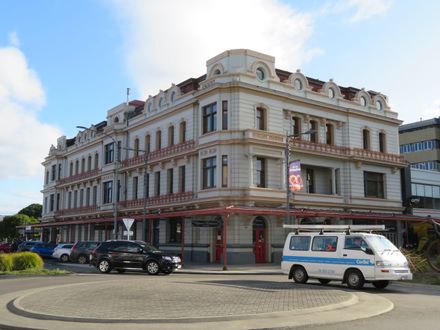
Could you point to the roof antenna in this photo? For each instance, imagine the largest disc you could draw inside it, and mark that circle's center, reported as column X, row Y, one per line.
column 128, row 94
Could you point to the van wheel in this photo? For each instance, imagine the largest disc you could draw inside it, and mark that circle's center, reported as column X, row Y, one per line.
column 355, row 279
column 381, row 284
column 323, row 281
column 300, row 275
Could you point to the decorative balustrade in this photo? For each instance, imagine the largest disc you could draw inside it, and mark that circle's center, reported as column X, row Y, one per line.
column 164, row 152
column 77, row 210
column 158, row 200
column 356, row 153
column 79, row 177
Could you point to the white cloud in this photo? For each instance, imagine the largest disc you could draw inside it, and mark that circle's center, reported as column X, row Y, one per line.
column 13, row 39
column 24, row 139
column 363, row 9
column 171, row 41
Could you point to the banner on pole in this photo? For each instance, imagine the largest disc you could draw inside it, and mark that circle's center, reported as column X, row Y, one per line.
column 295, row 180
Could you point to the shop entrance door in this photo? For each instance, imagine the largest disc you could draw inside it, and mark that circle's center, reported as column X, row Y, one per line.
column 218, row 245
column 259, row 239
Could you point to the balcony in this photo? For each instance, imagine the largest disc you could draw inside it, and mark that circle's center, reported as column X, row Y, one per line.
column 355, row 153
column 77, row 211
column 161, row 153
column 158, row 200
column 79, row 177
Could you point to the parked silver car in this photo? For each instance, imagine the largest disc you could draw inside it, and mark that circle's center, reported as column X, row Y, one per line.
column 62, row 252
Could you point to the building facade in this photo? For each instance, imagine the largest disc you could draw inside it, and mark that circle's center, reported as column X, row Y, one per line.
column 201, row 166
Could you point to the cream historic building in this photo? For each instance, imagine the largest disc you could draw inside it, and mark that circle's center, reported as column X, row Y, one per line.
column 215, row 165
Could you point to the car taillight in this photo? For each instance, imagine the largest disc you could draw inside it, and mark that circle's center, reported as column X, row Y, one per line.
column 94, row 251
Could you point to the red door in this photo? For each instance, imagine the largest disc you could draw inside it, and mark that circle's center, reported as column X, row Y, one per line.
column 219, row 246
column 260, row 245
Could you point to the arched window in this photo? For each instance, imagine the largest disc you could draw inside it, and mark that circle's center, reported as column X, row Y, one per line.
column 171, row 136
column 363, row 101
column 296, row 127
column 182, row 137
column 77, row 167
column 89, row 163
column 71, row 169
column 136, row 147
column 366, row 139
column 379, row 105
column 331, row 93
column 298, row 84
column 83, row 165
column 96, row 161
column 261, row 74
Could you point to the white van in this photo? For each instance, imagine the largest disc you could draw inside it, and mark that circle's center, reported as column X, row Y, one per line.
column 341, row 252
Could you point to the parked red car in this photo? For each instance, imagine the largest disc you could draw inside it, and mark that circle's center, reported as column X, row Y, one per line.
column 5, row 247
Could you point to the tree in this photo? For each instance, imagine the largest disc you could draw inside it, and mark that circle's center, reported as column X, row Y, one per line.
column 33, row 210
column 9, row 230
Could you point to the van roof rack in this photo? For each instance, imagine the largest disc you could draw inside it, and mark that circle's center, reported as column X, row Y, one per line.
column 346, row 228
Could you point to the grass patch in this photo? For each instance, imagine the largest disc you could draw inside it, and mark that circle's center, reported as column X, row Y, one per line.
column 427, row 278
column 36, row 272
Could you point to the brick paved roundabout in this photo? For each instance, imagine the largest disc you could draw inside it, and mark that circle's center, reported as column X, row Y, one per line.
column 132, row 301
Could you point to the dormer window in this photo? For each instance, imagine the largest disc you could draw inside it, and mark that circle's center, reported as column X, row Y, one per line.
column 331, row 93
column 173, row 97
column 149, row 107
column 261, row 75
column 298, row 84
column 363, row 101
column 161, row 103
column 116, row 120
column 379, row 105
column 217, row 72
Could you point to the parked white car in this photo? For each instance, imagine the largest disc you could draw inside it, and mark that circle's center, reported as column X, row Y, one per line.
column 62, row 252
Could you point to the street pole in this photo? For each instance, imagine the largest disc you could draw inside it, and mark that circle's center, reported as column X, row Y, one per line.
column 144, row 211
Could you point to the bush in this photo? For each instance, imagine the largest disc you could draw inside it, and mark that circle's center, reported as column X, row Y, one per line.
column 5, row 262
column 417, row 262
column 26, row 260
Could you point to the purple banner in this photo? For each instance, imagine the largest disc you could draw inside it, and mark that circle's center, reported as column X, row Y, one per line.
column 295, row 180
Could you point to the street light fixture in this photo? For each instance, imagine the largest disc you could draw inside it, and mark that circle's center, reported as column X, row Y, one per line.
column 115, row 181
column 287, row 155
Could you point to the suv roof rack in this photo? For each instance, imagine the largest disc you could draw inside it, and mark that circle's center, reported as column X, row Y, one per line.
column 346, row 228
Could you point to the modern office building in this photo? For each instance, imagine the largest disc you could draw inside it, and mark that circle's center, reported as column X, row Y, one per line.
column 420, row 144
column 201, row 166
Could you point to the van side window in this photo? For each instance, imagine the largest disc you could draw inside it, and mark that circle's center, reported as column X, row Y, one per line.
column 325, row 243
column 355, row 243
column 300, row 243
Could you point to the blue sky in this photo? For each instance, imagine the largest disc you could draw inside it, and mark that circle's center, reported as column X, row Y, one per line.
column 65, row 63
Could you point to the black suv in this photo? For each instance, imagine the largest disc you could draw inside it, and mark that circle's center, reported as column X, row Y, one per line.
column 119, row 255
column 81, row 250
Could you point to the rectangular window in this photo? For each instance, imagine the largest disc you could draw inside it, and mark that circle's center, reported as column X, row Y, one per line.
column 95, row 195
column 47, row 177
column 314, row 130
column 158, row 140
column 170, row 136
column 81, row 197
column 59, row 171
column 71, row 169
column 325, row 243
column 136, row 147
column 88, row 196
column 170, row 181
column 69, row 200
column 89, row 163
column 366, row 139
column 261, row 172
column 182, row 178
column 182, row 132
column 224, row 171
column 382, row 142
column 300, row 243
column 147, row 185
column 108, row 192
column 225, row 115
column 45, row 205
column 53, row 172
column 310, row 180
column 147, row 143
column 118, row 157
column 329, row 134
column 52, row 202
column 58, row 201
column 109, row 153
column 76, row 167
column 208, row 170
column 210, row 118
column 296, row 125
column 261, row 118
column 175, row 235
column 135, row 187
column 83, row 165
column 75, row 199
column 96, row 161
column 373, row 184
column 157, row 183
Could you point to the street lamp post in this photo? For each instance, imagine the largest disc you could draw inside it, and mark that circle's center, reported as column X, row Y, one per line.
column 115, row 180
column 287, row 156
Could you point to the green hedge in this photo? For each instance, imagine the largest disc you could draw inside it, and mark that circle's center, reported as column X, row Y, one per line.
column 20, row 261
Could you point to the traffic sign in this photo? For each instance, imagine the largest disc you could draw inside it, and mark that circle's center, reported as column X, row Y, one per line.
column 128, row 223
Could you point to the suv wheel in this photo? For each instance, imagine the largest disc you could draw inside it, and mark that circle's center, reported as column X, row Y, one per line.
column 152, row 268
column 82, row 259
column 64, row 258
column 104, row 266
